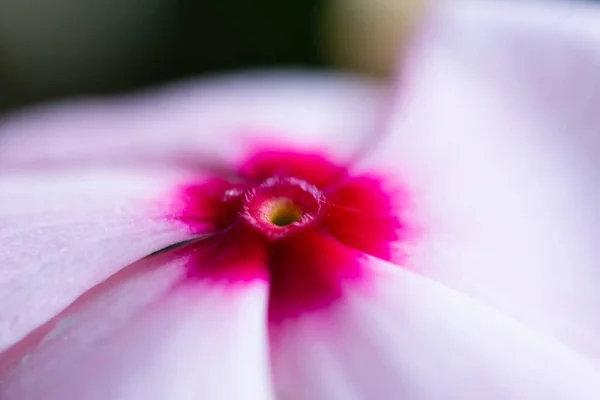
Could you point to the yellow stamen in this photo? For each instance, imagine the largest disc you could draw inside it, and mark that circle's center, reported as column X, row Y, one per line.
column 283, row 212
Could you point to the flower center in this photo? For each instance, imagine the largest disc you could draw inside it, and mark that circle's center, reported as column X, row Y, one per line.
column 283, row 212
column 298, row 222
column 280, row 206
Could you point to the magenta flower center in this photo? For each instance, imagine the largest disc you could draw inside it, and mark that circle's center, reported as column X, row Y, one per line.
column 281, row 206
column 297, row 221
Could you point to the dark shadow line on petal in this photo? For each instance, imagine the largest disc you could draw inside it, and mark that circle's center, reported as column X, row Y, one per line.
column 177, row 246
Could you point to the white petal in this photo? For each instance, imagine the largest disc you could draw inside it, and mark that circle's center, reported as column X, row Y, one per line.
column 198, row 123
column 148, row 333
column 407, row 337
column 495, row 135
column 62, row 233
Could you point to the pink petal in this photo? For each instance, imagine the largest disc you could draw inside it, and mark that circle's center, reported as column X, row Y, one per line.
column 148, row 333
column 63, row 232
column 408, row 337
column 198, row 122
column 497, row 137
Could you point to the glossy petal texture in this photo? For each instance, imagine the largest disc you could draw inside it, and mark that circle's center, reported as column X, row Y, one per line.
column 495, row 133
column 63, row 232
column 404, row 336
column 149, row 332
column 198, row 124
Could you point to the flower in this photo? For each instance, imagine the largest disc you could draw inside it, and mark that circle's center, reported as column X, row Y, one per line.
column 296, row 221
column 452, row 254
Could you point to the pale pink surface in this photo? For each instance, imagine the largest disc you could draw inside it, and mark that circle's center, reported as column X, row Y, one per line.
column 62, row 232
column 498, row 299
column 148, row 333
column 497, row 131
column 409, row 337
column 198, row 124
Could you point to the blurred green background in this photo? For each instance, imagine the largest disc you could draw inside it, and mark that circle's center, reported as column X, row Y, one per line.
column 56, row 48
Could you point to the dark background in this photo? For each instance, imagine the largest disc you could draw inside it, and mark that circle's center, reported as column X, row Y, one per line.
column 55, row 48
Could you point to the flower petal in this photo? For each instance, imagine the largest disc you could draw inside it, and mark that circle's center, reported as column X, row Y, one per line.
column 199, row 122
column 62, row 233
column 407, row 336
column 495, row 137
column 148, row 333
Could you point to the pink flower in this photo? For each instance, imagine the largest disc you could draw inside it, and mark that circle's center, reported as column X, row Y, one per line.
column 452, row 254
